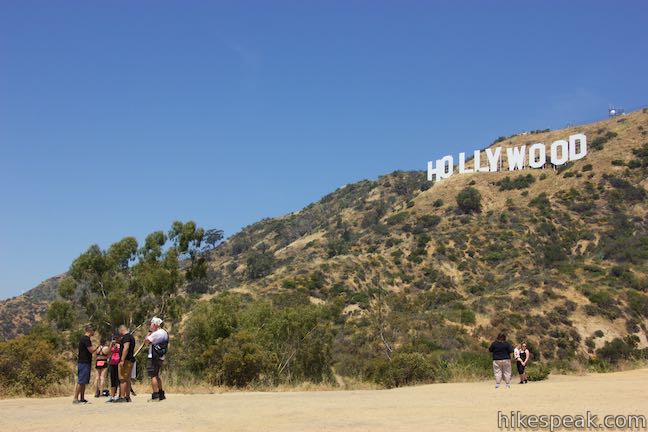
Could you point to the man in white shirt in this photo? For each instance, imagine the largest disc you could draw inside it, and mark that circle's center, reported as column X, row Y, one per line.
column 158, row 343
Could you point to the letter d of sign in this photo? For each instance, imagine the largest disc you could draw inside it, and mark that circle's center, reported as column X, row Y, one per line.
column 577, row 147
column 444, row 168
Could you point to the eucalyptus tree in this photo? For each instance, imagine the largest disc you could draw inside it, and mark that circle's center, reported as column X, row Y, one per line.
column 127, row 283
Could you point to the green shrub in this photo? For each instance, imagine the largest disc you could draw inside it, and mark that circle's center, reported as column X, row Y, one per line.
column 336, row 247
column 619, row 349
column 634, row 163
column 259, row 264
column 234, row 341
column 469, row 200
column 429, row 221
column 638, row 303
column 537, row 372
column 542, row 203
column 519, row 182
column 397, row 218
column 598, row 142
column 403, row 369
column 467, row 317
column 642, row 156
column 28, row 366
column 589, row 343
column 625, row 191
column 61, row 313
column 599, row 365
column 237, row 361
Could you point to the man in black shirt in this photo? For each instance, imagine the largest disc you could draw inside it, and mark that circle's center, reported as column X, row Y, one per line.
column 126, row 361
column 83, row 365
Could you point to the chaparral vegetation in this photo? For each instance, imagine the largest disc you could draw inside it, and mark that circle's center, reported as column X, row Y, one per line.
column 392, row 281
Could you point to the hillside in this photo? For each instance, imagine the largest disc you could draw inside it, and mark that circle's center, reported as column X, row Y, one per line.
column 555, row 256
column 558, row 257
column 18, row 314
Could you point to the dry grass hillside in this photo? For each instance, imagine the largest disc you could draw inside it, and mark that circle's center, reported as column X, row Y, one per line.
column 558, row 257
column 18, row 314
column 555, row 256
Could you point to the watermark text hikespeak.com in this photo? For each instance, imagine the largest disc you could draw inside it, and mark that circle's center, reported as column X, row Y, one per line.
column 516, row 420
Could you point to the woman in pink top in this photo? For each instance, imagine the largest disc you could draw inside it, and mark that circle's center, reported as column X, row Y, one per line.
column 113, row 367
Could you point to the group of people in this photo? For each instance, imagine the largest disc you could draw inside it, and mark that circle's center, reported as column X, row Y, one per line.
column 117, row 360
column 501, row 350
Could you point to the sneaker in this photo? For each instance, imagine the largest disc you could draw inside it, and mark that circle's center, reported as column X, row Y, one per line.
column 162, row 395
column 121, row 400
column 75, row 402
column 105, row 393
column 110, row 399
column 83, row 401
column 155, row 397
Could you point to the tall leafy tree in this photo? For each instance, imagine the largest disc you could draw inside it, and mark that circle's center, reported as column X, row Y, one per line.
column 127, row 283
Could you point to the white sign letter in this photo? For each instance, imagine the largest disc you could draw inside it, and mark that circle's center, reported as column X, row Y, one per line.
column 515, row 157
column 537, row 156
column 493, row 158
column 477, row 158
column 574, row 153
column 444, row 168
column 564, row 152
column 462, row 164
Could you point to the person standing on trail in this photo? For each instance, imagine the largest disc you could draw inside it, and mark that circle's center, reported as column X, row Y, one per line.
column 126, row 361
column 501, row 350
column 101, row 365
column 113, row 367
column 521, row 364
column 158, row 343
column 84, row 361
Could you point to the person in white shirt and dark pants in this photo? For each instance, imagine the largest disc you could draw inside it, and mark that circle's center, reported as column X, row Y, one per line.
column 158, row 344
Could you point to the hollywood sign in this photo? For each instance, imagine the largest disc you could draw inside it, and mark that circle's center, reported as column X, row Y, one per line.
column 518, row 158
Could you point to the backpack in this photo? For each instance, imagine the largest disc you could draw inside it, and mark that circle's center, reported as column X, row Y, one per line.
column 159, row 350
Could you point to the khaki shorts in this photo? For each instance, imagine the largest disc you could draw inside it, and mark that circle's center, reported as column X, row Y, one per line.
column 125, row 370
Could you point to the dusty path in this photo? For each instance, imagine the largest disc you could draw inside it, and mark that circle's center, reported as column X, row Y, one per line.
column 460, row 406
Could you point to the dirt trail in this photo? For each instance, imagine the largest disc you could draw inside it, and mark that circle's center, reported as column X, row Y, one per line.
column 455, row 406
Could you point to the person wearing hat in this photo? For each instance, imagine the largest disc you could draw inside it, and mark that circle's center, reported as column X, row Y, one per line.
column 158, row 343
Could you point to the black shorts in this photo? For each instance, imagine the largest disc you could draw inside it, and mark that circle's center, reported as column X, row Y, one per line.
column 153, row 366
column 520, row 367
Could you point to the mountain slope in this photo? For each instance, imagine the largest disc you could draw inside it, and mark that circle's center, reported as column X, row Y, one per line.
column 553, row 256
column 18, row 314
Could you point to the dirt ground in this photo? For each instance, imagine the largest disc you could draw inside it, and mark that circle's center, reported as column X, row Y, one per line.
column 454, row 406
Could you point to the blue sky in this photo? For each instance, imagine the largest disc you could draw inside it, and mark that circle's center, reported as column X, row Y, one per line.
column 117, row 118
